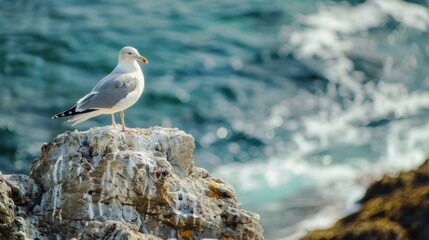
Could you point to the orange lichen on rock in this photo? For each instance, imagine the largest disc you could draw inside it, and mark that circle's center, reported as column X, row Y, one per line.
column 212, row 193
column 164, row 192
column 186, row 234
column 213, row 184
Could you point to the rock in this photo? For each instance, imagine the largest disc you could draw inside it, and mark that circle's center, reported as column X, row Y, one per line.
column 7, row 206
column 24, row 190
column 12, row 226
column 114, row 230
column 378, row 229
column 108, row 184
column 392, row 208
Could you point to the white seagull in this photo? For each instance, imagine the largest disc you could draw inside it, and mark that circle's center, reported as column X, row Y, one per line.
column 114, row 93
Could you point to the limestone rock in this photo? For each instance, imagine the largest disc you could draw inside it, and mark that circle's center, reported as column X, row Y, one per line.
column 12, row 226
column 7, row 206
column 108, row 184
column 24, row 190
column 392, row 208
column 113, row 230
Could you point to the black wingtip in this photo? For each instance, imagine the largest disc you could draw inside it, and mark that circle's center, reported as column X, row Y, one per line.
column 72, row 111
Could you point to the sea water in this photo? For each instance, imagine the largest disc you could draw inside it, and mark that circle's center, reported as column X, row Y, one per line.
column 298, row 104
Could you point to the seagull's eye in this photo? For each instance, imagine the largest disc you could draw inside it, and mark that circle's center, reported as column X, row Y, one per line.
column 129, row 53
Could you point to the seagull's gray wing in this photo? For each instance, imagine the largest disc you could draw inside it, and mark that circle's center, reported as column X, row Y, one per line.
column 109, row 91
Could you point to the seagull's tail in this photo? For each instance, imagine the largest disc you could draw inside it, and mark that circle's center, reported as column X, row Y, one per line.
column 72, row 111
column 78, row 116
column 82, row 117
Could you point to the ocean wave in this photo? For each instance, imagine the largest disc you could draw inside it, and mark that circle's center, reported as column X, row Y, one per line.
column 370, row 118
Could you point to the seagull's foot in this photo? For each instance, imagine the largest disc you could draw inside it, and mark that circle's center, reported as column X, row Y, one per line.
column 116, row 125
column 134, row 130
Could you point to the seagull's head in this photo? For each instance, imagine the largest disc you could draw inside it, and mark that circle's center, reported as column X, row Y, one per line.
column 130, row 53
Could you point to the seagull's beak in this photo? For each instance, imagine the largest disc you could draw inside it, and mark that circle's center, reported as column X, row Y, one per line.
column 143, row 59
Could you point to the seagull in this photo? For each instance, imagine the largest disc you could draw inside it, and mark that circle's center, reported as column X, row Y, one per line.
column 114, row 93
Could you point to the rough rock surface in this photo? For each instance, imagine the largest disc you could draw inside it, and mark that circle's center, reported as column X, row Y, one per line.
column 392, row 208
column 108, row 184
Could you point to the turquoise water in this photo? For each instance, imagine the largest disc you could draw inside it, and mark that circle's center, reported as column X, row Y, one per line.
column 297, row 103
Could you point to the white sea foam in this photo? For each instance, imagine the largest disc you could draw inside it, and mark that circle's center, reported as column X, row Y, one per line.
column 330, row 33
column 286, row 177
column 374, row 129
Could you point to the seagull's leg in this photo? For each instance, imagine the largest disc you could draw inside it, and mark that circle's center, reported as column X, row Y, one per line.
column 123, row 124
column 113, row 120
column 123, row 120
